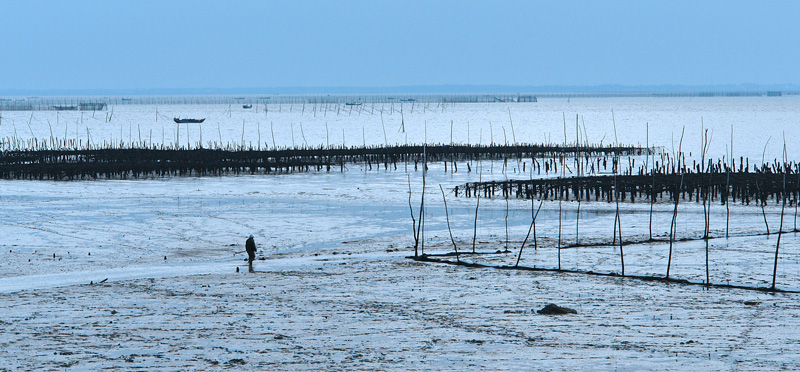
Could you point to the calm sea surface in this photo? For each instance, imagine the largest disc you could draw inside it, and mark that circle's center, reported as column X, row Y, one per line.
column 758, row 123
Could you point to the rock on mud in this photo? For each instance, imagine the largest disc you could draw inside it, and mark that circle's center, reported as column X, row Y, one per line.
column 236, row 361
column 553, row 309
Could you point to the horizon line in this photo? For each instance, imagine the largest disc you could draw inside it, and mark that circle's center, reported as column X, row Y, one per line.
column 414, row 89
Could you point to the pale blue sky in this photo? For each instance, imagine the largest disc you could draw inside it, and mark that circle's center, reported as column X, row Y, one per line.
column 249, row 44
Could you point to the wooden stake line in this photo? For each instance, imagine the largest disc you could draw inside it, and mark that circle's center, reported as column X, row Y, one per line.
column 71, row 159
column 646, row 278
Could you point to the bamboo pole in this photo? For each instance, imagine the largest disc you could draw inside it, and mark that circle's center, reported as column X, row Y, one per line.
column 704, row 189
column 532, row 227
column 514, row 136
column 305, row 143
column 617, row 221
column 673, row 224
column 414, row 230
column 477, row 205
column 421, row 226
column 385, row 139
column 783, row 206
column 578, row 191
column 762, row 197
column 653, row 174
column 272, row 131
column 728, row 188
column 447, row 215
column 561, row 157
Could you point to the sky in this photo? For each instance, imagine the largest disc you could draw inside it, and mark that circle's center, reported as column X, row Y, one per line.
column 176, row 44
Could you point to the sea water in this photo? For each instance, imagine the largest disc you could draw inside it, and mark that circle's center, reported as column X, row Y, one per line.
column 754, row 127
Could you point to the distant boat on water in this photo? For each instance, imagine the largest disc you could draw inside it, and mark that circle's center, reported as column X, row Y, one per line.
column 247, row 106
column 181, row 121
column 353, row 103
column 65, row 108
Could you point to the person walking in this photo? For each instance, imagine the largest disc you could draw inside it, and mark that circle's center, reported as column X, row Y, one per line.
column 250, row 247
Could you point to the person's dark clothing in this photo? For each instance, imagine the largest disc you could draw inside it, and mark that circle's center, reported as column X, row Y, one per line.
column 250, row 246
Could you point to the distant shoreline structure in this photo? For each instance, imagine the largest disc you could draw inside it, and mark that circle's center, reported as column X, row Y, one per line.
column 48, row 104
column 99, row 103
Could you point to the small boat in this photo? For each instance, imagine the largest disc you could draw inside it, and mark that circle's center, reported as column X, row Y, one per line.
column 65, row 108
column 353, row 103
column 181, row 121
column 247, row 106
